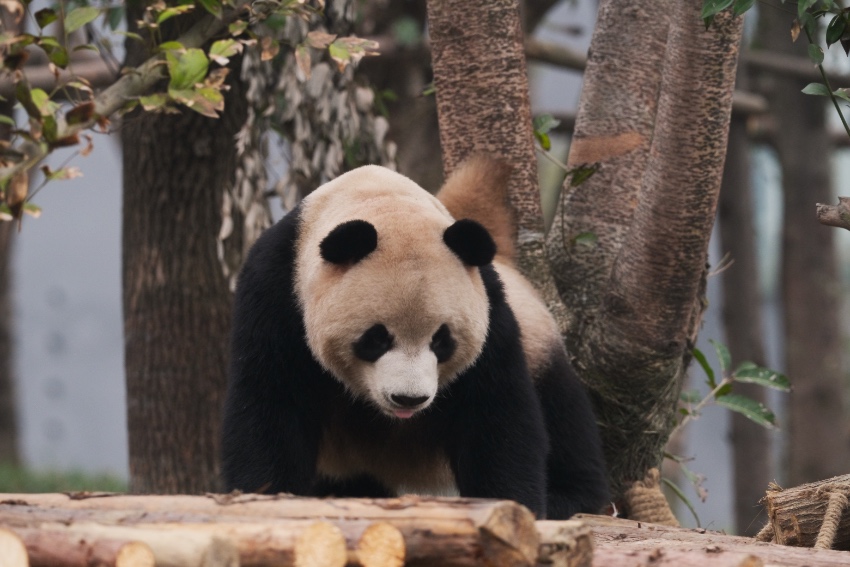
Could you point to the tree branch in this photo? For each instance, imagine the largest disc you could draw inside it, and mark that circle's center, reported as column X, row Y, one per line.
column 134, row 83
column 835, row 215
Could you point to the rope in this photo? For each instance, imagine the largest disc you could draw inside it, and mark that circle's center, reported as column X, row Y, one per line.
column 646, row 502
column 834, row 509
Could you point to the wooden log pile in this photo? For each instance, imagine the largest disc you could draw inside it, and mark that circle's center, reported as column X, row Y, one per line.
column 99, row 530
column 254, row 530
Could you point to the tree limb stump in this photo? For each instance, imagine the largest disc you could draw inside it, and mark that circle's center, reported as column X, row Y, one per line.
column 797, row 514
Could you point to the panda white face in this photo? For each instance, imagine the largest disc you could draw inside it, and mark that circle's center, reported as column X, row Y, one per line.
column 394, row 305
column 402, row 379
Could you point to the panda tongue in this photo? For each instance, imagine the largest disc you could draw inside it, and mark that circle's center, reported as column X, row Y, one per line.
column 403, row 414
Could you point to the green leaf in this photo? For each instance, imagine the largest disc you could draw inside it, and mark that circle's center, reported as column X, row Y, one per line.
column 842, row 94
column 24, row 95
column 691, row 396
column 815, row 54
column 169, row 13
column 543, row 123
column 544, row 140
column 211, row 6
column 186, row 69
column 237, row 28
column 115, row 17
column 171, row 46
column 78, row 17
column 8, row 120
column 742, row 6
column 723, row 356
column 154, row 101
column 681, row 495
column 711, row 8
column 706, row 367
column 223, row 49
column 818, row 89
column 40, row 99
column 835, row 29
column 723, row 390
column 45, row 17
column 803, row 5
column 582, row 173
column 763, row 377
column 57, row 54
column 749, row 408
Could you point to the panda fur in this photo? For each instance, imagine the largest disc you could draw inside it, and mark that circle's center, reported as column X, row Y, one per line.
column 376, row 351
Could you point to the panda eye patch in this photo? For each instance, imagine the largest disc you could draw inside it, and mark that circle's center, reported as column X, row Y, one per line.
column 373, row 344
column 443, row 343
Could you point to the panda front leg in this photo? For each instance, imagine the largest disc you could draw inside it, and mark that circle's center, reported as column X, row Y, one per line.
column 498, row 443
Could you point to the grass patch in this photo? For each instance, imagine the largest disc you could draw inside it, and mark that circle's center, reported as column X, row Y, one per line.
column 18, row 479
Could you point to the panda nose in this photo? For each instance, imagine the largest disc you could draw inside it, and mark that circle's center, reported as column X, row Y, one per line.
column 408, row 401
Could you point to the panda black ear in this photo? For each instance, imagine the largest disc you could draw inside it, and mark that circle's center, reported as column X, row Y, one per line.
column 470, row 242
column 349, row 242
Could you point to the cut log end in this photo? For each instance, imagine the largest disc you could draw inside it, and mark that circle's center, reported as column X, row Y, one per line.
column 381, row 545
column 509, row 535
column 134, row 554
column 12, row 550
column 321, row 545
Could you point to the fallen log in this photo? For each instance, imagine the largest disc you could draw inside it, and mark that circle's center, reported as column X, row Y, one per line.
column 435, row 531
column 61, row 548
column 797, row 513
column 626, row 543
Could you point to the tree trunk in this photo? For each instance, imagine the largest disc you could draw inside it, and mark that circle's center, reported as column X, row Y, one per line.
column 634, row 347
column 751, row 451
column 477, row 52
column 810, row 287
column 8, row 406
column 176, row 299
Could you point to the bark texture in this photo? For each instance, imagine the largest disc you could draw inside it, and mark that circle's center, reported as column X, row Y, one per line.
column 751, row 451
column 176, row 299
column 810, row 287
column 797, row 514
column 8, row 410
column 478, row 57
column 634, row 346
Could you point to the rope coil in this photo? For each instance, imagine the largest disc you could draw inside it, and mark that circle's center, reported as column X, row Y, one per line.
column 647, row 503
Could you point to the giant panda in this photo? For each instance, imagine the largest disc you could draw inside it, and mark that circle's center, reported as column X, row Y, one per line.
column 380, row 346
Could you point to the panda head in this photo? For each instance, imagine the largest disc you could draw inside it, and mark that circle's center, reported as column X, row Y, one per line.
column 393, row 302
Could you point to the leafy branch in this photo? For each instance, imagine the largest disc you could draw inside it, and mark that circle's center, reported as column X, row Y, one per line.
column 185, row 64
